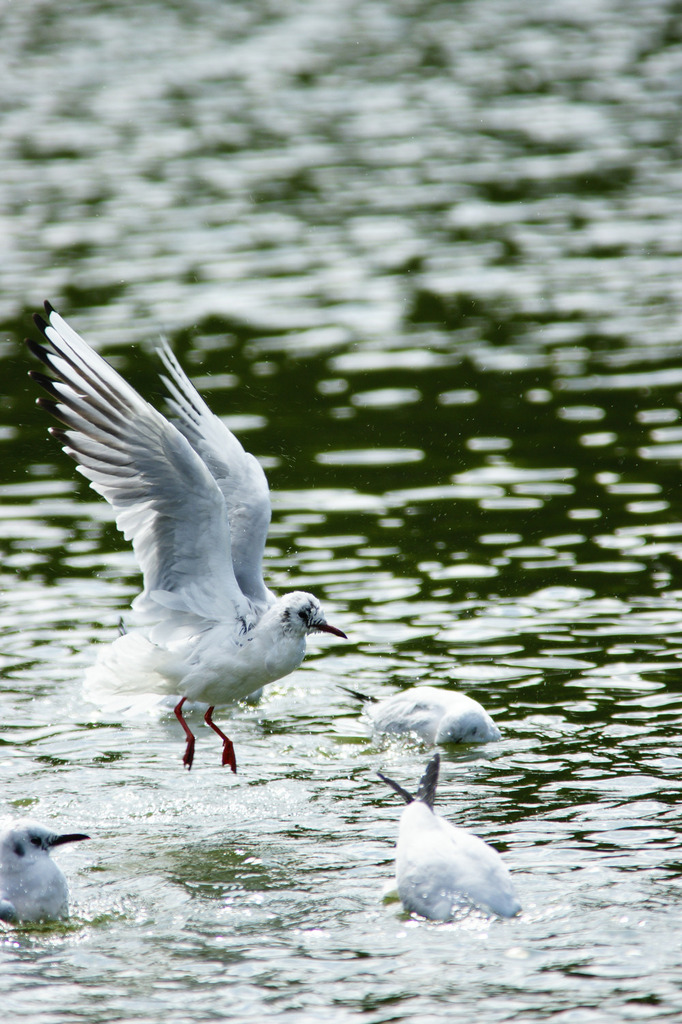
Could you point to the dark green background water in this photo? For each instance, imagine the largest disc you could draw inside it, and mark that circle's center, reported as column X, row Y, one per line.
column 426, row 259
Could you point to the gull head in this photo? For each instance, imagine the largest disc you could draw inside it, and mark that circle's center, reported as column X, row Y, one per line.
column 302, row 614
column 26, row 842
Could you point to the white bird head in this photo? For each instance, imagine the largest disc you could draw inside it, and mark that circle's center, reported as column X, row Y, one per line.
column 25, row 842
column 427, row 785
column 302, row 614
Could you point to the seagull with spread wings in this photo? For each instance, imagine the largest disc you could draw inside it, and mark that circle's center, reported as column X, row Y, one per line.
column 196, row 507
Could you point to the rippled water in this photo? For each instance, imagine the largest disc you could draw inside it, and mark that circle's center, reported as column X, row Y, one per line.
column 426, row 259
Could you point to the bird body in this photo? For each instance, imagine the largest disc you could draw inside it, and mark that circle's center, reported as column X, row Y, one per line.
column 203, row 665
column 196, row 507
column 441, row 868
column 435, row 715
column 32, row 886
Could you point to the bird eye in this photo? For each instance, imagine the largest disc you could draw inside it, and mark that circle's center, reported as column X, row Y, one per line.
column 36, row 841
column 302, row 615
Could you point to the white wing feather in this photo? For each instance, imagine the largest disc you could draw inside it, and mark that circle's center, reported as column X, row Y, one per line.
column 164, row 496
column 238, row 474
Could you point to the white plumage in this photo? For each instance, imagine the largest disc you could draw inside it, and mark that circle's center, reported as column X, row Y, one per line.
column 32, row 886
column 441, row 868
column 434, row 715
column 196, row 507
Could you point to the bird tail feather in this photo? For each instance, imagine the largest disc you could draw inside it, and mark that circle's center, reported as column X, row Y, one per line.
column 132, row 664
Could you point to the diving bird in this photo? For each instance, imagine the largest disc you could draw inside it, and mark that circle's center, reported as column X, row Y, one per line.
column 440, row 868
column 32, row 887
column 431, row 713
column 196, row 507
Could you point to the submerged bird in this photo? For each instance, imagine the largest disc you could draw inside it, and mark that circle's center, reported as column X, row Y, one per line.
column 196, row 507
column 441, row 868
column 32, row 887
column 433, row 714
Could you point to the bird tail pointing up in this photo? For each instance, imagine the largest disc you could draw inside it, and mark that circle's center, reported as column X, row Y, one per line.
column 429, row 781
column 427, row 784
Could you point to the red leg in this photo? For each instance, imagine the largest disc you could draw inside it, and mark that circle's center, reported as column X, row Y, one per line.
column 228, row 748
column 189, row 749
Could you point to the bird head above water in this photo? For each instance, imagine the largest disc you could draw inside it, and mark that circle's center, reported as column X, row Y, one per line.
column 32, row 886
column 26, row 842
column 302, row 614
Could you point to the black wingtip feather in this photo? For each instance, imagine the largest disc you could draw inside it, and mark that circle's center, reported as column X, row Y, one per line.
column 58, row 411
column 49, row 308
column 407, row 797
column 364, row 698
column 429, row 782
column 45, row 382
column 59, row 435
column 46, row 403
column 39, row 322
column 38, row 350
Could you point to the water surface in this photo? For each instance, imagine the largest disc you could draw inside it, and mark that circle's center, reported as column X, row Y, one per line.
column 425, row 259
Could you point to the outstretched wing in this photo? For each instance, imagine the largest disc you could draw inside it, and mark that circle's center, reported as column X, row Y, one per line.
column 238, row 474
column 165, row 499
